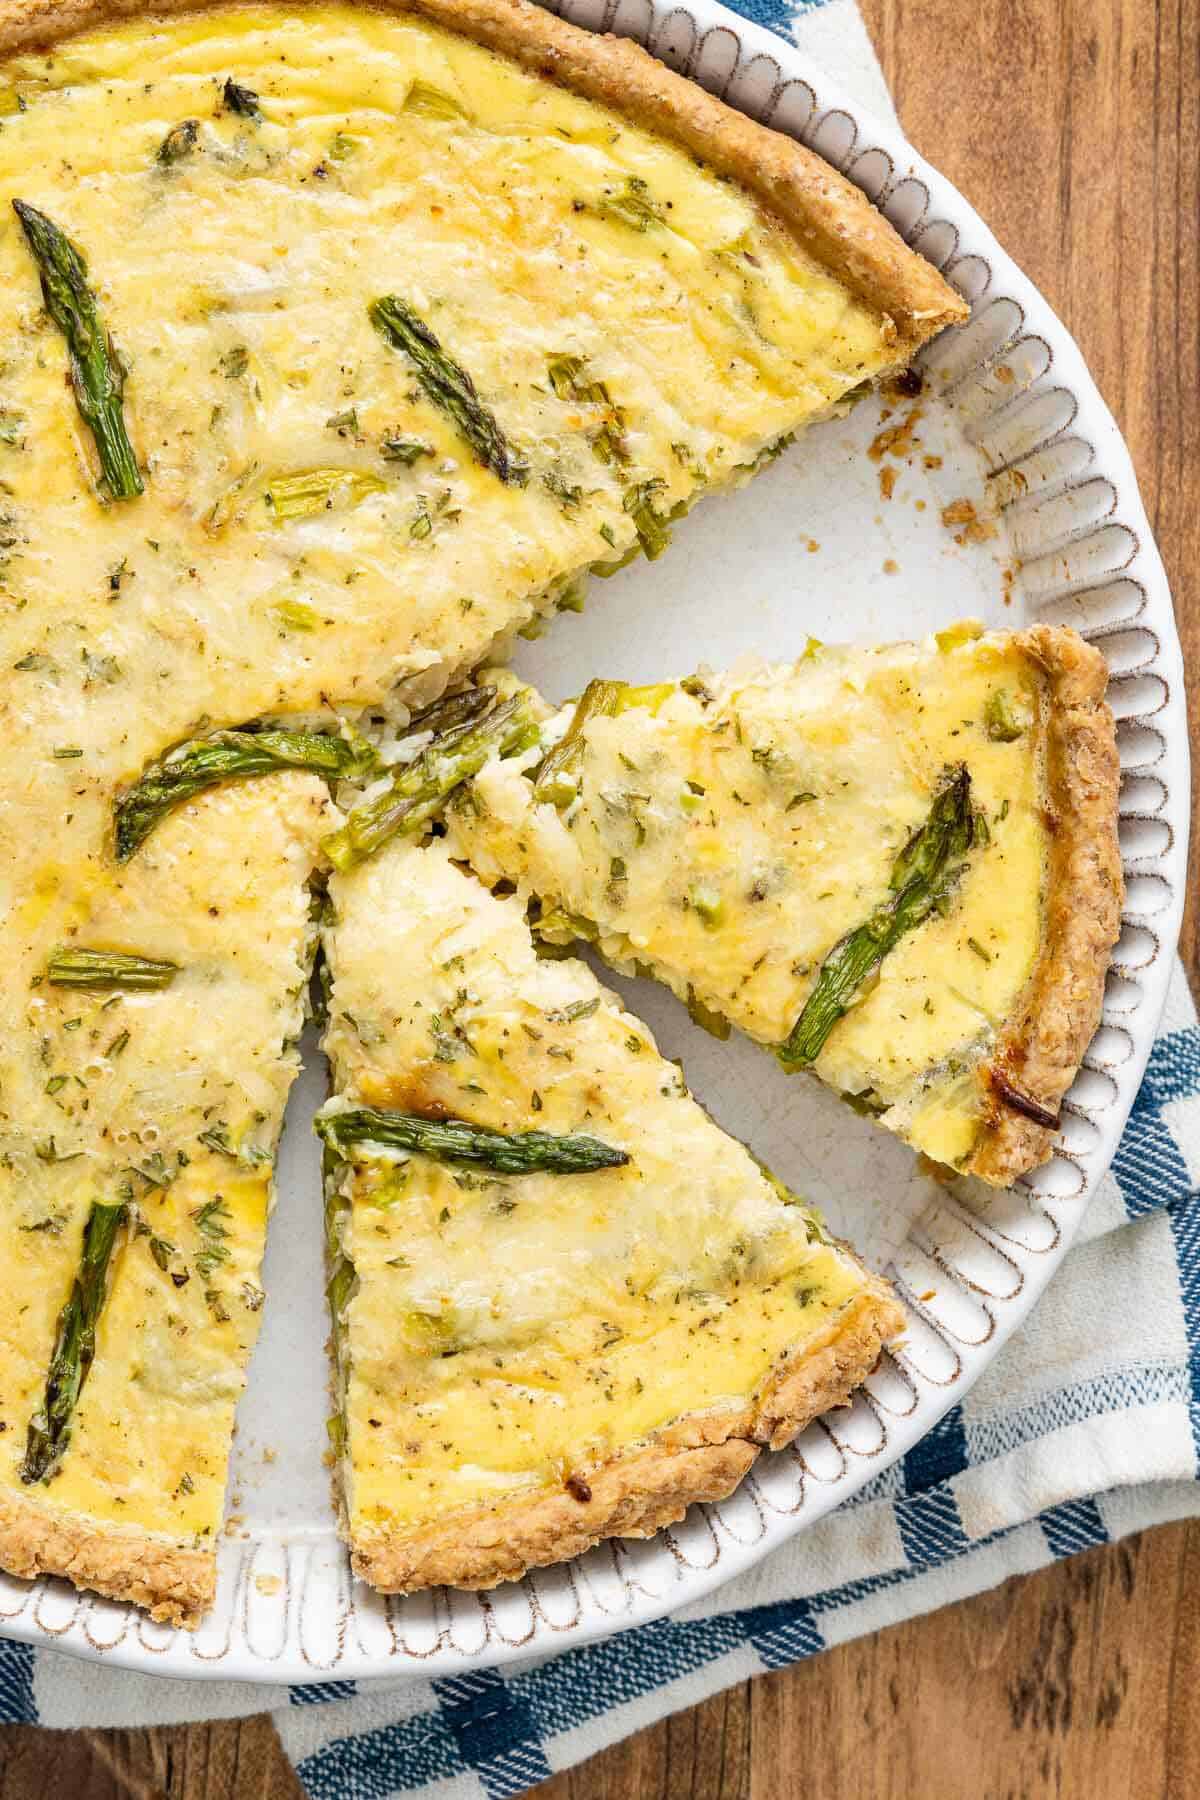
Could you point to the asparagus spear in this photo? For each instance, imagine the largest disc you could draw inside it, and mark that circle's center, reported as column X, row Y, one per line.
column 449, row 387
column 103, row 970
column 96, row 373
column 555, row 779
column 468, row 729
column 458, row 1141
column 653, row 531
column 74, row 1346
column 227, row 756
column 922, row 879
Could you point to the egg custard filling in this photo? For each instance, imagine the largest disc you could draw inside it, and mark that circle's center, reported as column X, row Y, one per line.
column 142, row 1084
column 861, row 859
column 566, row 1303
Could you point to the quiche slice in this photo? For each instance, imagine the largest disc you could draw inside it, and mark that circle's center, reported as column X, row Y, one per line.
column 897, row 866
column 140, row 1100
column 566, row 1304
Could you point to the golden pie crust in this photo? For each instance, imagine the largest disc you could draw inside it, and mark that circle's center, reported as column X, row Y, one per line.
column 1044, row 1041
column 834, row 221
column 698, row 1458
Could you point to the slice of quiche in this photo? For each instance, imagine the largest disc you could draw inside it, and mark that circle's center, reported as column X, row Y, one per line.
column 897, row 866
column 566, row 1304
column 144, row 1067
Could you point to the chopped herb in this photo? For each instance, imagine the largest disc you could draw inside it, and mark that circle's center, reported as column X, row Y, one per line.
column 240, row 100
column 578, row 1009
column 405, row 450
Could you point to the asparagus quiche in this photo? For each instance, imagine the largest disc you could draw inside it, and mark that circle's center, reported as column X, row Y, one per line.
column 144, row 1064
column 566, row 1305
column 897, row 866
column 340, row 342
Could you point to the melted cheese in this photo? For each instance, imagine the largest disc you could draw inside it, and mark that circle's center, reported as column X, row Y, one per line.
column 726, row 838
column 104, row 1097
column 505, row 1330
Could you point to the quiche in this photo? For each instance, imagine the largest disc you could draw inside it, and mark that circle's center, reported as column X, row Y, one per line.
column 340, row 343
column 566, row 1305
column 144, row 1066
column 897, row 866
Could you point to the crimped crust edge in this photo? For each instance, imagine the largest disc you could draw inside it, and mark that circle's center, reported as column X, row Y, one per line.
column 175, row 1582
column 832, row 218
column 1055, row 1018
column 701, row 1457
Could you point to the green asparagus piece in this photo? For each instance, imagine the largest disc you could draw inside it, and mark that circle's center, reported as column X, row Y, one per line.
column 469, row 728
column 104, row 970
column 653, row 532
column 74, row 1346
column 634, row 206
column 1001, row 719
column 458, row 1141
column 555, row 776
column 923, row 877
column 570, row 381
column 228, row 756
column 312, row 491
column 449, row 387
column 96, row 373
column 430, row 102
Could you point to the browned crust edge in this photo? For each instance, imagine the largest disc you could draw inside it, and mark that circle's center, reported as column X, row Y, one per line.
column 1052, row 1024
column 174, row 1582
column 832, row 218
column 701, row 1457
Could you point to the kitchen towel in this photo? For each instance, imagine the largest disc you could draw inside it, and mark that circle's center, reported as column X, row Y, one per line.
column 1075, row 1436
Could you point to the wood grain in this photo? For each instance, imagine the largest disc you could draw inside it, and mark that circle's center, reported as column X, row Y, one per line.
column 1082, row 1681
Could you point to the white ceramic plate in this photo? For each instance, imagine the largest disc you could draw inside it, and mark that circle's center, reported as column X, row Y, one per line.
column 812, row 546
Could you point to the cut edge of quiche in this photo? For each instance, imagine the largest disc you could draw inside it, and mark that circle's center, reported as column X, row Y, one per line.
column 1018, row 941
column 529, row 1362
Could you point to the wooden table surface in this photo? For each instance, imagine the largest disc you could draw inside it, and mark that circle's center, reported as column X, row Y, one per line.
column 1081, row 1682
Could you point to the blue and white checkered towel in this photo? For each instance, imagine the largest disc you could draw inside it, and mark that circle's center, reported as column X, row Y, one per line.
column 1085, row 1429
